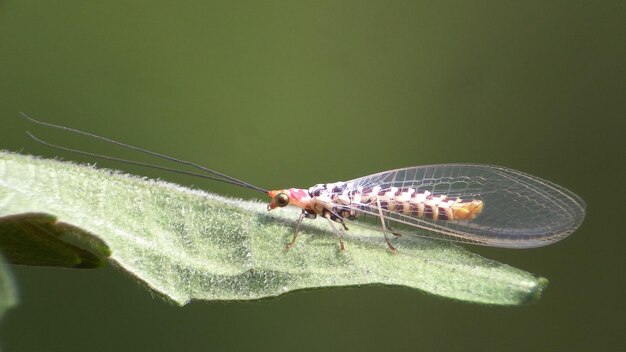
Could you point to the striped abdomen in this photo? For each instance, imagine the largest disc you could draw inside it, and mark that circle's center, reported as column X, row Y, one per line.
column 407, row 201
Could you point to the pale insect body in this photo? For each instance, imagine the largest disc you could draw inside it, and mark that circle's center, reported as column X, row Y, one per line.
column 471, row 203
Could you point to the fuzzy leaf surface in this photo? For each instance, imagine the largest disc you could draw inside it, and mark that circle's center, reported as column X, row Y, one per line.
column 188, row 244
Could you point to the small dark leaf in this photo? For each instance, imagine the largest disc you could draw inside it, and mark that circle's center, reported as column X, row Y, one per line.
column 38, row 239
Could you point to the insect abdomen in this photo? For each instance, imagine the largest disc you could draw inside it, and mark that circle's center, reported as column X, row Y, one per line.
column 343, row 199
column 410, row 202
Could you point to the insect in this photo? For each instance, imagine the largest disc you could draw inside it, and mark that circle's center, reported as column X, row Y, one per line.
column 470, row 203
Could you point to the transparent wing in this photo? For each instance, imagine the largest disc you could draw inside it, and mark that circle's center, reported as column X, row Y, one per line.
column 519, row 210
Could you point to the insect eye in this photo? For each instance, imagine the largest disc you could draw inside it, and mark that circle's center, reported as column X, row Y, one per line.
column 281, row 199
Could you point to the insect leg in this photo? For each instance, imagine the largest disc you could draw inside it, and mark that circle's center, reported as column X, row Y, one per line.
column 337, row 232
column 295, row 232
column 395, row 233
column 382, row 220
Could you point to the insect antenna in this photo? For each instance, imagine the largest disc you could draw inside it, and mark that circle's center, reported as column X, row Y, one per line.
column 212, row 174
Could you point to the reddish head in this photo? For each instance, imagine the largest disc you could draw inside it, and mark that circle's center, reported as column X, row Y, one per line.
column 292, row 196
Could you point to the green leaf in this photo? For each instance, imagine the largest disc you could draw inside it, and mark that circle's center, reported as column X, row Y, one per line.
column 188, row 244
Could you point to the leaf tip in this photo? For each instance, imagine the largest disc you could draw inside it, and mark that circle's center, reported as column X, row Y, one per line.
column 537, row 290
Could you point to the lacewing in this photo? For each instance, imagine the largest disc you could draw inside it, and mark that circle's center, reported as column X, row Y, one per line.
column 470, row 203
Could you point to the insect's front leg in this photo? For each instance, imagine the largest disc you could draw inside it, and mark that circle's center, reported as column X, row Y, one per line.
column 303, row 215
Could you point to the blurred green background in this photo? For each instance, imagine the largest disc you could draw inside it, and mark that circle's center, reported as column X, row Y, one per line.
column 290, row 93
